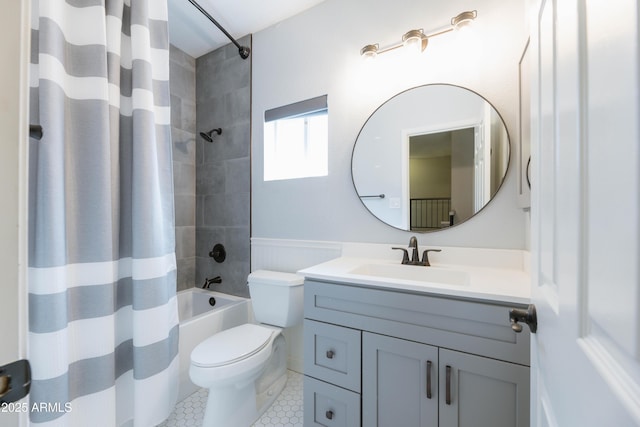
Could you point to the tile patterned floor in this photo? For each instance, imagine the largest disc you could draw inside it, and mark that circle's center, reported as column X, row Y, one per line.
column 286, row 411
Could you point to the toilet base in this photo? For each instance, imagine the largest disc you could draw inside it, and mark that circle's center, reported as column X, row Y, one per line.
column 240, row 405
column 232, row 407
column 265, row 399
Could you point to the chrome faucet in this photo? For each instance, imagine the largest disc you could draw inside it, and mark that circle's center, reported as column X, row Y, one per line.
column 415, row 257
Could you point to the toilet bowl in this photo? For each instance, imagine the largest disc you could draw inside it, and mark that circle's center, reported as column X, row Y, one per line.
column 244, row 367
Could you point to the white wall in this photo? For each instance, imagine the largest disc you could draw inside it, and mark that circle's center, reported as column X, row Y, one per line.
column 317, row 53
column 14, row 95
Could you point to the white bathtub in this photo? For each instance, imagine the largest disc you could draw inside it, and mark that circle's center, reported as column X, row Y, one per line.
column 199, row 320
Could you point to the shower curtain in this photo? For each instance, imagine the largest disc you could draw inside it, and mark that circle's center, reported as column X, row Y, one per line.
column 103, row 322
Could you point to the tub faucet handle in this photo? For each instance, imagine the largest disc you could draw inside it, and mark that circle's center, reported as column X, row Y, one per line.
column 218, row 253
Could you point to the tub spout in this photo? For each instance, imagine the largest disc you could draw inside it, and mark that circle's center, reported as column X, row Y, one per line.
column 208, row 282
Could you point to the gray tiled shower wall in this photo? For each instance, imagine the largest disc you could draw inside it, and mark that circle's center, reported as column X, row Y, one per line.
column 223, row 169
column 212, row 180
column 183, row 133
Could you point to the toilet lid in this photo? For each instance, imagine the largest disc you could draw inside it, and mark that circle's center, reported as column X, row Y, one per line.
column 231, row 345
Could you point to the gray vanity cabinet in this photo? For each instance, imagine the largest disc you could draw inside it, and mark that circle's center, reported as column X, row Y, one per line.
column 381, row 357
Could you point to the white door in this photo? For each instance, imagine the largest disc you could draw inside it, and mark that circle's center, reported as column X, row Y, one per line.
column 586, row 213
column 14, row 21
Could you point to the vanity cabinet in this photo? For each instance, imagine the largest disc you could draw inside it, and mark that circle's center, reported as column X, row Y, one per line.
column 376, row 357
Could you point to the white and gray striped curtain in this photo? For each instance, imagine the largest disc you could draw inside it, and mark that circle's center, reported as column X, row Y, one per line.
column 103, row 322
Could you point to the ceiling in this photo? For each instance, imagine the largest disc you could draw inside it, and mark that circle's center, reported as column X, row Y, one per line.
column 193, row 33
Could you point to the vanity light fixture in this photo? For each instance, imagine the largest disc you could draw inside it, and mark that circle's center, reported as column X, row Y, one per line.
column 417, row 39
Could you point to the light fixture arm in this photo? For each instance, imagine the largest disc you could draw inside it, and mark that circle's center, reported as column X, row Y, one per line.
column 441, row 31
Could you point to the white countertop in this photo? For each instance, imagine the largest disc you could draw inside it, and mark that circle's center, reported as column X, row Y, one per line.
column 509, row 285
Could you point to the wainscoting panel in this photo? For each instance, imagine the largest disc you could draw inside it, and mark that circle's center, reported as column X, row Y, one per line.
column 291, row 255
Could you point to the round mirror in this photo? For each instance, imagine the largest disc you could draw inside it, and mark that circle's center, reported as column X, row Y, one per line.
column 431, row 157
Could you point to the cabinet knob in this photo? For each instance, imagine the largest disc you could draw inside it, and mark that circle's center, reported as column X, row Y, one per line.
column 330, row 354
column 329, row 415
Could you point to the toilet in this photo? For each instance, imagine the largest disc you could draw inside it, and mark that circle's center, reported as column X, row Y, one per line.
column 245, row 368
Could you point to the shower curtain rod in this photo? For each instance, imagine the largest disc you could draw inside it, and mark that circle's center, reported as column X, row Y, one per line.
column 242, row 50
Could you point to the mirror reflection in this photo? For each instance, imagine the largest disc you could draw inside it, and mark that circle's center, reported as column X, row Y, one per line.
column 430, row 158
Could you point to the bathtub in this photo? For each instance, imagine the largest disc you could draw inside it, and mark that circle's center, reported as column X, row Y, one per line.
column 199, row 320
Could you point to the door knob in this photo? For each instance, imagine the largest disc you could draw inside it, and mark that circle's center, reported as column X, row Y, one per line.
column 527, row 316
column 5, row 385
column 15, row 381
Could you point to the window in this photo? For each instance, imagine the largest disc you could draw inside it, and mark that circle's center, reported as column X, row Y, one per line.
column 296, row 140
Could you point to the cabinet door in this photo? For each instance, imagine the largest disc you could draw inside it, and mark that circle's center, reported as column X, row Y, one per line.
column 399, row 382
column 479, row 392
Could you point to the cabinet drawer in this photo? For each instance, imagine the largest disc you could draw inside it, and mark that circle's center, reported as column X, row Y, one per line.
column 330, row 406
column 332, row 353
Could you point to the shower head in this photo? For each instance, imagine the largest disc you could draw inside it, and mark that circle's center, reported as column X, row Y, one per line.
column 208, row 135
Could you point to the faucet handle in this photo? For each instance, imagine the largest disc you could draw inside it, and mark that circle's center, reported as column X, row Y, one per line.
column 425, row 256
column 405, row 255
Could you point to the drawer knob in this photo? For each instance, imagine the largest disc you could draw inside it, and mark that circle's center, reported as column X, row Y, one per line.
column 329, row 415
column 330, row 355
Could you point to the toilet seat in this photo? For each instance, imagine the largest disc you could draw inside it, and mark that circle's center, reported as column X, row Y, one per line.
column 231, row 346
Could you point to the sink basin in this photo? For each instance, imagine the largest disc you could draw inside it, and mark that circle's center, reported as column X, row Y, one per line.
column 414, row 272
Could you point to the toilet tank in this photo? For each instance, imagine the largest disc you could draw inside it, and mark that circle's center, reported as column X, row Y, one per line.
column 276, row 297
